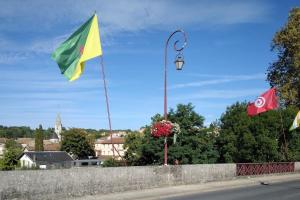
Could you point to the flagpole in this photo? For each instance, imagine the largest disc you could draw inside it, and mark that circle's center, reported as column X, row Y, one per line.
column 282, row 129
column 284, row 136
column 108, row 110
column 107, row 105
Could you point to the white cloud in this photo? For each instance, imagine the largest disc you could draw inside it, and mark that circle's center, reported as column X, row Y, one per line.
column 47, row 45
column 218, row 79
column 12, row 57
column 129, row 15
column 53, row 21
column 220, row 94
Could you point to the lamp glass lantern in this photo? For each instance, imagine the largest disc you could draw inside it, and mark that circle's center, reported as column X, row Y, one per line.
column 179, row 61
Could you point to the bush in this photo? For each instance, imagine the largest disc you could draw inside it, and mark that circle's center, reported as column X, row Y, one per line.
column 112, row 163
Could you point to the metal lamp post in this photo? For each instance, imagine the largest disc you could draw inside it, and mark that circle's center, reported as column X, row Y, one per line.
column 179, row 62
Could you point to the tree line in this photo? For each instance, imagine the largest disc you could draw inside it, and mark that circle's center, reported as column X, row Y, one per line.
column 14, row 132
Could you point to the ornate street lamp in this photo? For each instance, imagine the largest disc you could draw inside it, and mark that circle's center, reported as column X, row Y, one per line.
column 179, row 62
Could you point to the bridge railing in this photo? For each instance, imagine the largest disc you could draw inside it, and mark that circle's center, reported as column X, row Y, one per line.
column 246, row 169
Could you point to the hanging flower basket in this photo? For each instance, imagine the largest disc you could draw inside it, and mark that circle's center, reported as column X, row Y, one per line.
column 164, row 128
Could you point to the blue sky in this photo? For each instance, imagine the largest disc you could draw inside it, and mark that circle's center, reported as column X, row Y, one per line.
column 226, row 58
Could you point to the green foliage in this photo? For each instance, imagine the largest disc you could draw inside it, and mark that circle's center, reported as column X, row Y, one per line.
column 284, row 73
column 98, row 133
column 15, row 132
column 256, row 139
column 12, row 144
column 76, row 142
column 38, row 136
column 10, row 158
column 194, row 145
column 294, row 146
column 133, row 144
column 27, row 132
column 112, row 163
column 293, row 137
column 47, row 133
column 91, row 138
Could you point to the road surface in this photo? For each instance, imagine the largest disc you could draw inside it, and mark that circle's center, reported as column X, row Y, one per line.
column 272, row 187
column 281, row 191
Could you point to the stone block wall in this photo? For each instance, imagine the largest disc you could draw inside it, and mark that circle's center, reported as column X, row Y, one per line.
column 63, row 183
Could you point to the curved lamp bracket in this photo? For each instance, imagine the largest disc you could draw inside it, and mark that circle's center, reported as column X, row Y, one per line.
column 177, row 41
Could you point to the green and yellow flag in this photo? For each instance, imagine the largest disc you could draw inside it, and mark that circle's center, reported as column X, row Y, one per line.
column 296, row 122
column 81, row 46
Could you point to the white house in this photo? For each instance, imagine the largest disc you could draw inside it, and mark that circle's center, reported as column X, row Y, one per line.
column 46, row 159
column 2, row 146
column 104, row 147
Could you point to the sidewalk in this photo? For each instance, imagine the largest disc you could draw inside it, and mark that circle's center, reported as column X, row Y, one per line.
column 156, row 193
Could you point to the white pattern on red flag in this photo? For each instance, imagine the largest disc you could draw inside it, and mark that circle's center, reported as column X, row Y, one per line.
column 266, row 101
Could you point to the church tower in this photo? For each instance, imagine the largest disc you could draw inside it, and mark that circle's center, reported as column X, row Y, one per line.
column 58, row 127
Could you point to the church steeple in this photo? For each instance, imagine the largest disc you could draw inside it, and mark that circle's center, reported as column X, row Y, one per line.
column 58, row 127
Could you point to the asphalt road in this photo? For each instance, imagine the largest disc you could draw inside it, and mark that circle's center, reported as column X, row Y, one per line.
column 280, row 186
column 282, row 191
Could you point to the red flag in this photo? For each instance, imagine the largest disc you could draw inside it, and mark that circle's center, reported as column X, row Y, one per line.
column 266, row 101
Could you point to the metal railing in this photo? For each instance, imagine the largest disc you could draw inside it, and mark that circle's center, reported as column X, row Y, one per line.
column 247, row 169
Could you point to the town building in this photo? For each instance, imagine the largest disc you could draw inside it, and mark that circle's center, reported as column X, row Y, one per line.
column 54, row 138
column 46, row 159
column 51, row 146
column 58, row 128
column 104, row 148
column 28, row 144
column 2, row 146
column 27, row 148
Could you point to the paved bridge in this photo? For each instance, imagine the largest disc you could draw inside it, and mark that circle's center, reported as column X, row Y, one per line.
column 76, row 182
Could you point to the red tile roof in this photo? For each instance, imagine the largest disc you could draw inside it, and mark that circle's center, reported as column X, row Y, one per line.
column 52, row 147
column 28, row 141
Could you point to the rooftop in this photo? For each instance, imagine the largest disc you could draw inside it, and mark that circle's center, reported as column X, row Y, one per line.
column 48, row 157
column 52, row 147
column 119, row 140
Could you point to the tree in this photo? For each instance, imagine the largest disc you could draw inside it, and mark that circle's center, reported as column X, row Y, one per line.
column 75, row 141
column 284, row 73
column 15, row 132
column 262, row 138
column 111, row 162
column 292, row 137
column 47, row 133
column 193, row 145
column 91, row 138
column 11, row 154
column 38, row 138
column 133, row 145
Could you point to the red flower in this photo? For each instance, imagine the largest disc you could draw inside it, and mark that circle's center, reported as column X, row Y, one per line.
column 162, row 129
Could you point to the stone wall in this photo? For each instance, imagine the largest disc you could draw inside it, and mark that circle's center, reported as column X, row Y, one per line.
column 63, row 183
